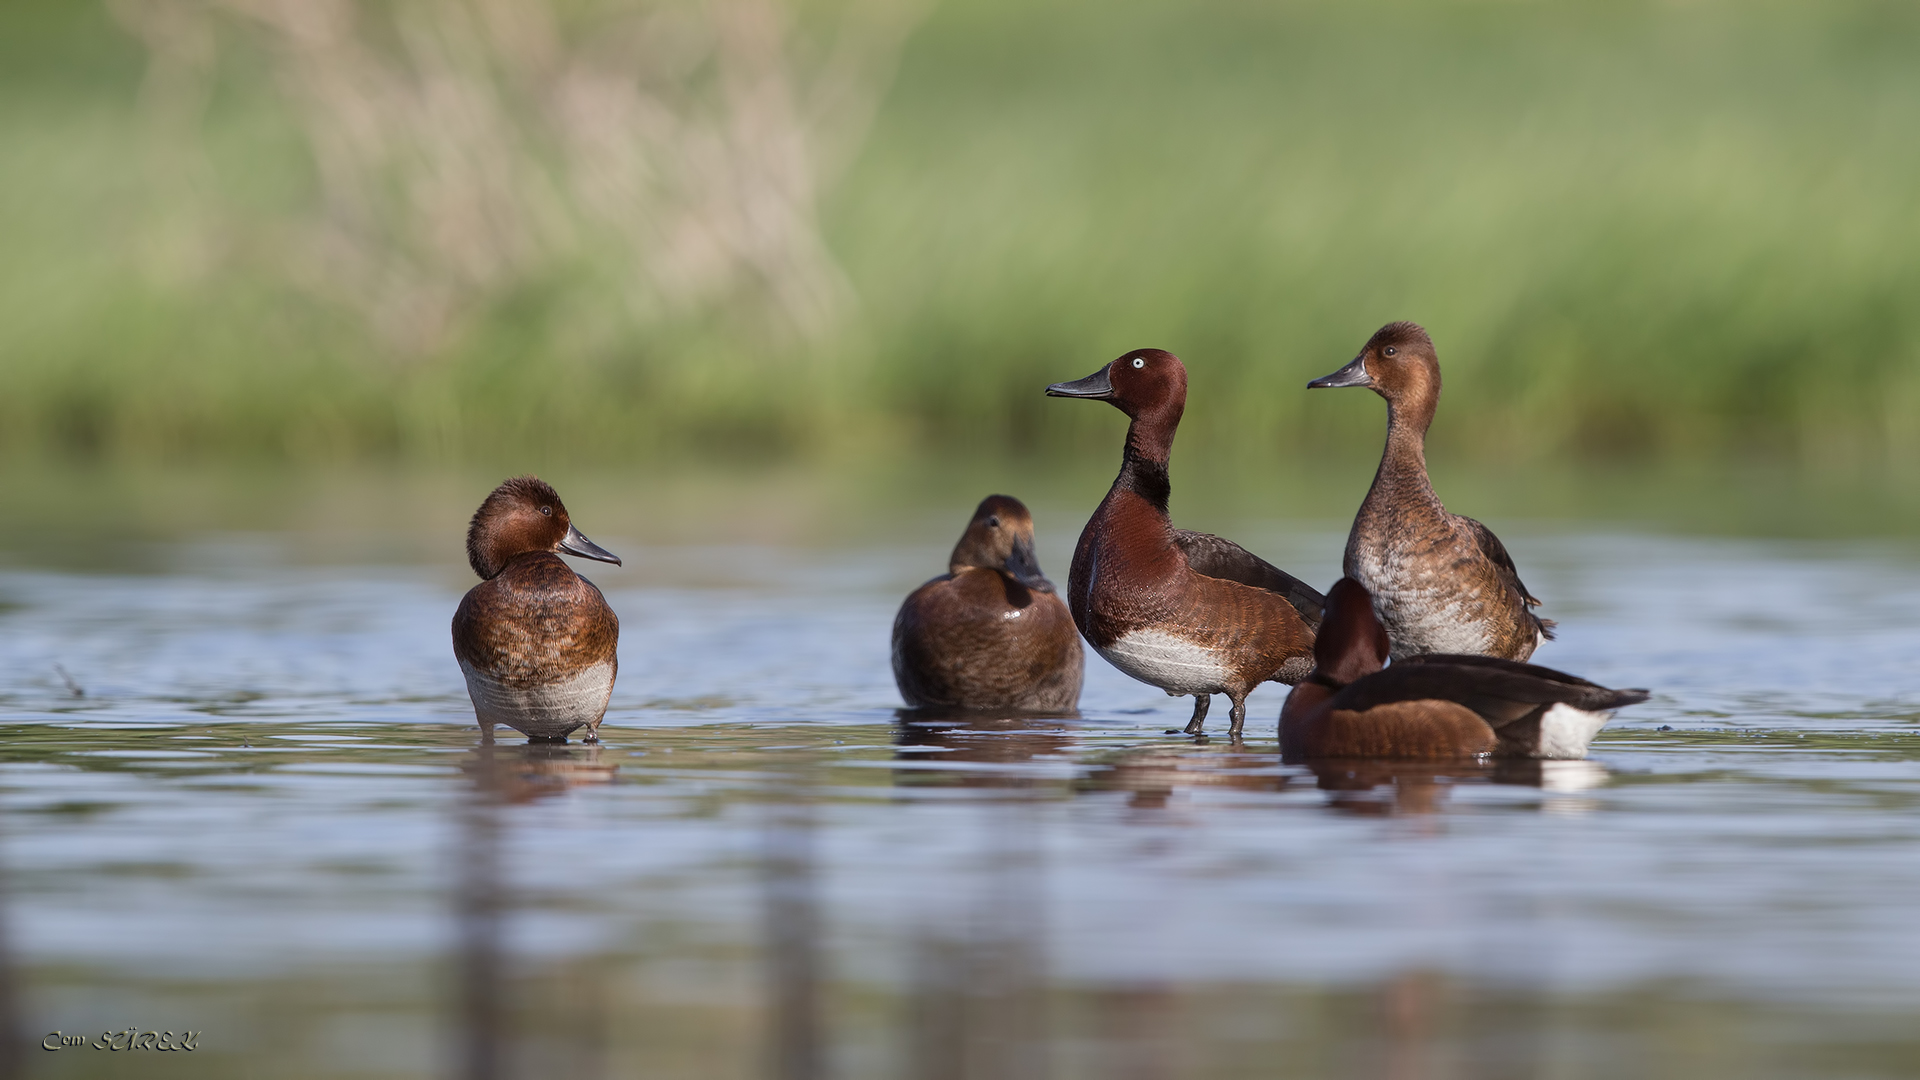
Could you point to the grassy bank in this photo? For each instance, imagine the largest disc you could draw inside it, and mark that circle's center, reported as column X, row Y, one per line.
column 1660, row 231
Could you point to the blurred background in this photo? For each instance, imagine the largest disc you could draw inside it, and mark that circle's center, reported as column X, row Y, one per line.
column 611, row 231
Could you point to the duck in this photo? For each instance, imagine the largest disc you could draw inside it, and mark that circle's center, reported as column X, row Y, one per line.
column 990, row 633
column 1433, row 705
column 536, row 641
column 1441, row 582
column 1188, row 612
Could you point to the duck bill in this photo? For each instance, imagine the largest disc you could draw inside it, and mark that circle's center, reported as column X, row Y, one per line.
column 1022, row 567
column 1354, row 374
column 1097, row 386
column 576, row 543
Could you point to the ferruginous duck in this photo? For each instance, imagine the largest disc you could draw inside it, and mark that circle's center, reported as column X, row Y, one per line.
column 1184, row 611
column 1440, row 582
column 1434, row 705
column 989, row 633
column 535, row 640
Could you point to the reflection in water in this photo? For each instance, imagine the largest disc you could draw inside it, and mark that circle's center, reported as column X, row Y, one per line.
column 502, row 777
column 1404, row 787
column 12, row 1044
column 793, row 975
column 1154, row 774
column 977, row 1003
column 479, row 918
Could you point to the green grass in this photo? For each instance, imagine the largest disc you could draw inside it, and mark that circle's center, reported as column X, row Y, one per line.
column 1663, row 231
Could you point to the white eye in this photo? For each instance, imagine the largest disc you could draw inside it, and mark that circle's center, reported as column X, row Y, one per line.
column 1139, row 362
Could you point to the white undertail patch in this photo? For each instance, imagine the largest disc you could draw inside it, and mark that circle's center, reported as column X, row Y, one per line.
column 1566, row 731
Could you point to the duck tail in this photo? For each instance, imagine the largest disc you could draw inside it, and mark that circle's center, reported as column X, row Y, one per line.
column 1620, row 698
column 1546, row 627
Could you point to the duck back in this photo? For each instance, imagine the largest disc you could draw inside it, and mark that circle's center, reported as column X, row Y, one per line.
column 978, row 639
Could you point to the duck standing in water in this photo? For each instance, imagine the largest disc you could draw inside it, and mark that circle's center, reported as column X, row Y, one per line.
column 990, row 633
column 1434, row 705
column 535, row 640
column 1440, row 582
column 1187, row 612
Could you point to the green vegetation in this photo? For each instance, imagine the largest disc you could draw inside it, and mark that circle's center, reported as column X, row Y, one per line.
column 1655, row 230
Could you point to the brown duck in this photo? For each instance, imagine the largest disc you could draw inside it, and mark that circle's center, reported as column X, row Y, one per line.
column 535, row 640
column 1440, row 582
column 989, row 633
column 1435, row 705
column 1184, row 611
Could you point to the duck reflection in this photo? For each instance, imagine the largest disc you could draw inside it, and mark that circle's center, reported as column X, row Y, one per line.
column 794, row 976
column 960, row 737
column 1373, row 787
column 489, row 1037
column 1155, row 774
column 524, row 773
column 977, row 1000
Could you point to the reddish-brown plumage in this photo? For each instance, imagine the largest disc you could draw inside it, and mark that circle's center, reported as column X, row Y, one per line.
column 989, row 633
column 1441, row 582
column 1184, row 611
column 1431, row 707
column 536, row 641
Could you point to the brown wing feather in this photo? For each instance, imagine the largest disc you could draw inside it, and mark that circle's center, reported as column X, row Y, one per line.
column 1496, row 552
column 1216, row 557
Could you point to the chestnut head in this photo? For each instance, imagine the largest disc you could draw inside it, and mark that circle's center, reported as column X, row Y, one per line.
column 1351, row 643
column 1000, row 537
column 524, row 515
column 1144, row 380
column 1397, row 362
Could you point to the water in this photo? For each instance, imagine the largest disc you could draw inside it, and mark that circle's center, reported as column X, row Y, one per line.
column 244, row 796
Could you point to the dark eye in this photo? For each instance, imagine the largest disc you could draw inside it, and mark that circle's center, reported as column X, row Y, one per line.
column 993, row 522
column 547, row 510
column 1390, row 350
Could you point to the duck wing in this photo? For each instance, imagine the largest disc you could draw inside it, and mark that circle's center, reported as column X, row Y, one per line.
column 1518, row 667
column 1496, row 552
column 1215, row 557
column 1501, row 691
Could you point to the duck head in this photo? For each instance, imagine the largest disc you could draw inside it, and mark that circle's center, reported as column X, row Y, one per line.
column 1351, row 643
column 524, row 515
column 1150, row 386
column 1140, row 382
column 1000, row 537
column 1398, row 363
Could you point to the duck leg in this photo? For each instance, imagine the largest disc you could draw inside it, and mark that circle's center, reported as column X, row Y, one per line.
column 1199, row 722
column 1237, row 715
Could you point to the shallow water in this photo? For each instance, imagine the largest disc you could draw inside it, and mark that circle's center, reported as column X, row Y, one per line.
column 244, row 796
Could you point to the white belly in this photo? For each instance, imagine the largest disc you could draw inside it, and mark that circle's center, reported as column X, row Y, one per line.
column 546, row 711
column 1171, row 663
column 1565, row 731
column 1422, row 620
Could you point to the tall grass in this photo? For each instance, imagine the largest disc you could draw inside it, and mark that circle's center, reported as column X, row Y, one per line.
column 1655, row 230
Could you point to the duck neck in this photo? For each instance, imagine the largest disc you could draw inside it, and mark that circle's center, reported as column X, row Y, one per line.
column 1403, row 464
column 1143, row 467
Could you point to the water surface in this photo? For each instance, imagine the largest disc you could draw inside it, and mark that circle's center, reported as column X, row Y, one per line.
column 244, row 795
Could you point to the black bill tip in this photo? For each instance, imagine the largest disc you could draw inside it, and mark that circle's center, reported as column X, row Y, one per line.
column 576, row 543
column 1096, row 385
column 1354, row 374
